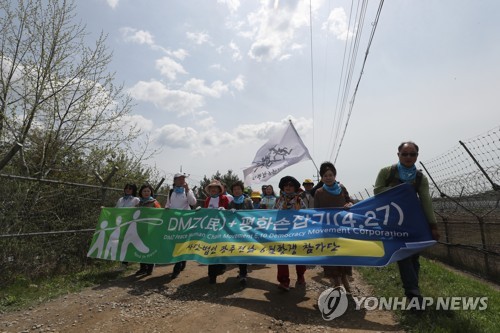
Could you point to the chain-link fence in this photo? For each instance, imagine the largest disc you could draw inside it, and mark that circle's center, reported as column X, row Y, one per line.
column 465, row 187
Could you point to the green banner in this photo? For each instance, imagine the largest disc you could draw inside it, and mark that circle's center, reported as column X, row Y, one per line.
column 374, row 232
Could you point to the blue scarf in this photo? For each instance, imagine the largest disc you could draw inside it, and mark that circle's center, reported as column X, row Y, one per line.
column 127, row 196
column 239, row 199
column 147, row 199
column 214, row 196
column 407, row 175
column 179, row 189
column 335, row 189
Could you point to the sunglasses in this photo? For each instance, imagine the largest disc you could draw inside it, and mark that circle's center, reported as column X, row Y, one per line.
column 408, row 154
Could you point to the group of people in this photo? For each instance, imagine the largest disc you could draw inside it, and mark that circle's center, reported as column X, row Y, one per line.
column 180, row 197
column 327, row 193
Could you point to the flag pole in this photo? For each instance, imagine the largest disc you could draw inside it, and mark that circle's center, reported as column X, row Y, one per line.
column 291, row 124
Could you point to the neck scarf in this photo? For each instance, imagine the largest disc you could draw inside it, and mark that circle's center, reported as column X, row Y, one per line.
column 335, row 189
column 214, row 196
column 143, row 200
column 239, row 199
column 407, row 175
column 127, row 196
column 290, row 201
column 179, row 189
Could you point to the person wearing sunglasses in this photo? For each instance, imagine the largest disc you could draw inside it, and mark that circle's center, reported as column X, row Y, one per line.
column 405, row 171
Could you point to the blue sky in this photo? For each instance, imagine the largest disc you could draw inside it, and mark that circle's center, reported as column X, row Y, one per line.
column 212, row 80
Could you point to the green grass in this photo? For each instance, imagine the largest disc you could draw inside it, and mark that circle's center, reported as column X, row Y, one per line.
column 438, row 281
column 23, row 293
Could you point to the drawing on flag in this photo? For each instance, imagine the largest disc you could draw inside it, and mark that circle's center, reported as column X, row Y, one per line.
column 282, row 150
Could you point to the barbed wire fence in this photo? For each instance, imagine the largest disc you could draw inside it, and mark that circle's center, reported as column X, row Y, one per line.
column 464, row 183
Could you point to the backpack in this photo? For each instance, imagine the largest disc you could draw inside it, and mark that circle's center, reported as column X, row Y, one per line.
column 392, row 177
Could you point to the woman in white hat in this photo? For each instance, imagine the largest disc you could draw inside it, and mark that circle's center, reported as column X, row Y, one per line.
column 180, row 197
column 216, row 199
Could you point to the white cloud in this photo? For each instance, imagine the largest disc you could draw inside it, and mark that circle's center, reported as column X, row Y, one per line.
column 265, row 130
column 113, row 3
column 180, row 54
column 206, row 123
column 169, row 68
column 177, row 101
column 236, row 51
column 337, row 24
column 198, row 37
column 232, row 5
column 275, row 25
column 239, row 83
column 137, row 36
column 174, row 136
column 133, row 35
column 144, row 124
column 218, row 67
column 216, row 89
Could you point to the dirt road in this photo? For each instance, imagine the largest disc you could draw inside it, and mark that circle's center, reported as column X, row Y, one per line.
column 189, row 304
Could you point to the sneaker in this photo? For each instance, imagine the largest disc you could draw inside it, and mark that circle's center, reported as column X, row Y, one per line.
column 300, row 283
column 142, row 271
column 243, row 280
column 284, row 286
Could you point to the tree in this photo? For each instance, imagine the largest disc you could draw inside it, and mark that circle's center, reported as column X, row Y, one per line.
column 54, row 88
column 228, row 180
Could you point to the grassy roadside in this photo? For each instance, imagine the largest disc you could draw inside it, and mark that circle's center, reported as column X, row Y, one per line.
column 438, row 281
column 24, row 293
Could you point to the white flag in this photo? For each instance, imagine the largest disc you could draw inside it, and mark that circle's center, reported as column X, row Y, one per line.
column 281, row 151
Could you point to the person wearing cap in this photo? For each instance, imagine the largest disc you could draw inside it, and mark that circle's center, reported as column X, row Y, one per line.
column 256, row 198
column 180, row 197
column 268, row 198
column 290, row 199
column 333, row 195
column 215, row 200
column 307, row 195
column 240, row 201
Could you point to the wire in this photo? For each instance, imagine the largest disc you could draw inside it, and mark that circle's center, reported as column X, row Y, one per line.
column 374, row 28
column 312, row 66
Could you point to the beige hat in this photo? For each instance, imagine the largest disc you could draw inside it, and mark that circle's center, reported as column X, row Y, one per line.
column 214, row 182
column 255, row 195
